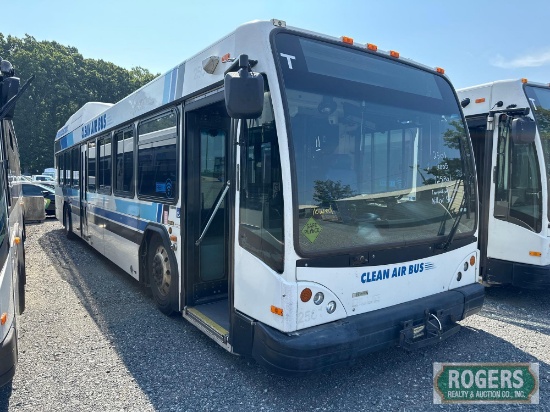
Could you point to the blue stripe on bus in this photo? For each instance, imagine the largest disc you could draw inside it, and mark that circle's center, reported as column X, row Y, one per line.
column 130, row 221
column 128, row 212
column 173, row 84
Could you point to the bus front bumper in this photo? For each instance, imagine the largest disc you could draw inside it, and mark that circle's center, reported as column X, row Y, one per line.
column 8, row 357
column 341, row 342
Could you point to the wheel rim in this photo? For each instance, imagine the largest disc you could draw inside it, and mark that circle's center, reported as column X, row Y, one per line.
column 161, row 270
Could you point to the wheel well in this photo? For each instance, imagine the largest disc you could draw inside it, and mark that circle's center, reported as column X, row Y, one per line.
column 159, row 232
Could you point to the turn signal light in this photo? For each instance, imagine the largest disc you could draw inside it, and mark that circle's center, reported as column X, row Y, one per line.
column 306, row 294
column 480, row 100
column 226, row 57
column 17, row 240
column 276, row 310
column 533, row 253
column 3, row 318
column 472, row 260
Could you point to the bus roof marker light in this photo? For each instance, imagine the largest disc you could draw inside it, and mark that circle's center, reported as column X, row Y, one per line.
column 346, row 39
column 276, row 310
column 395, row 54
column 372, row 47
column 524, row 80
column 210, row 63
column 440, row 70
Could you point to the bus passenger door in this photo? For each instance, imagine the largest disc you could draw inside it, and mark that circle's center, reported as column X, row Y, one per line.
column 516, row 198
column 207, row 213
column 83, row 188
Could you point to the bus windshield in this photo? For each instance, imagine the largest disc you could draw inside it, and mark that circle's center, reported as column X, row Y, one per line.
column 380, row 152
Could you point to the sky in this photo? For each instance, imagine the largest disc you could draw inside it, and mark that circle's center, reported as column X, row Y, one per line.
column 475, row 41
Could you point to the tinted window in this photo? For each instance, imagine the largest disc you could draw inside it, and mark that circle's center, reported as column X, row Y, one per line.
column 124, row 161
column 157, row 157
column 75, row 166
column 104, row 170
column 91, row 166
column 261, row 205
column 32, row 190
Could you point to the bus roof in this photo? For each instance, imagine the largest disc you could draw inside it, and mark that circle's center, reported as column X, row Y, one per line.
column 251, row 38
column 484, row 97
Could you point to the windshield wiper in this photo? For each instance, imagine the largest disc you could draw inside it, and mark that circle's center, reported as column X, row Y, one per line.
column 465, row 197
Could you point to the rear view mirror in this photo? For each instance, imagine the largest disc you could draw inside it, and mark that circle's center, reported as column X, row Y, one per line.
column 523, row 130
column 244, row 92
column 9, row 88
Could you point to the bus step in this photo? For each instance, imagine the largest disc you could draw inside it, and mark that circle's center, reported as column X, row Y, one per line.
column 208, row 326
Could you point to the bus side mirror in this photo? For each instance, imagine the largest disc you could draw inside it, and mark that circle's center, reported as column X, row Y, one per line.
column 244, row 92
column 9, row 88
column 523, row 130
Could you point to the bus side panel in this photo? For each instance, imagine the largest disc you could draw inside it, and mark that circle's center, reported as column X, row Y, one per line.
column 7, row 331
column 121, row 235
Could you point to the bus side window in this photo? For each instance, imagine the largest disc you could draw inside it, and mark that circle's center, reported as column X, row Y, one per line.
column 123, row 146
column 104, row 163
column 157, row 157
column 91, row 166
column 261, row 197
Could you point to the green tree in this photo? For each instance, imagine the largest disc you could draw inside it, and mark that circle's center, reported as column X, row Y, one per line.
column 64, row 81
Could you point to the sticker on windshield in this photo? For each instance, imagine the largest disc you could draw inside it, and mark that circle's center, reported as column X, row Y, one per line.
column 311, row 229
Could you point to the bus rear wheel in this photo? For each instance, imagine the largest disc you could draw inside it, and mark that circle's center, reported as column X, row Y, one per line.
column 160, row 275
column 68, row 223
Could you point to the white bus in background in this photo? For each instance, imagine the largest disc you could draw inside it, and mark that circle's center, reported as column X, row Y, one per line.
column 509, row 124
column 299, row 198
column 12, row 228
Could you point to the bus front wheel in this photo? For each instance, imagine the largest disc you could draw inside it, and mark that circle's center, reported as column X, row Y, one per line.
column 160, row 275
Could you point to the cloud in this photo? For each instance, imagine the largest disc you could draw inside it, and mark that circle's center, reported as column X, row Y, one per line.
column 541, row 58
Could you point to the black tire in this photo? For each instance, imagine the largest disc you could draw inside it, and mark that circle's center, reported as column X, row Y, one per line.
column 21, row 286
column 160, row 275
column 69, row 224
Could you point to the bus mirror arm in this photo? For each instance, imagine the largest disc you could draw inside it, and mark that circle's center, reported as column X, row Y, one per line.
column 218, row 204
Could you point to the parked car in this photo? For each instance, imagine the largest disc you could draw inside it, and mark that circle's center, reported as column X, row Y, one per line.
column 36, row 189
column 42, row 178
column 20, row 178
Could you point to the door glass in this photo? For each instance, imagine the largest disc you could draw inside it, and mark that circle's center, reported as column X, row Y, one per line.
column 518, row 194
column 213, row 178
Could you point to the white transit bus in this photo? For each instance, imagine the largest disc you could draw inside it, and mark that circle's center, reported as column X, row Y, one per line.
column 12, row 228
column 509, row 125
column 301, row 199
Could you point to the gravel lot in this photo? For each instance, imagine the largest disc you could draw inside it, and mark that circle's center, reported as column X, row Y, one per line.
column 92, row 340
